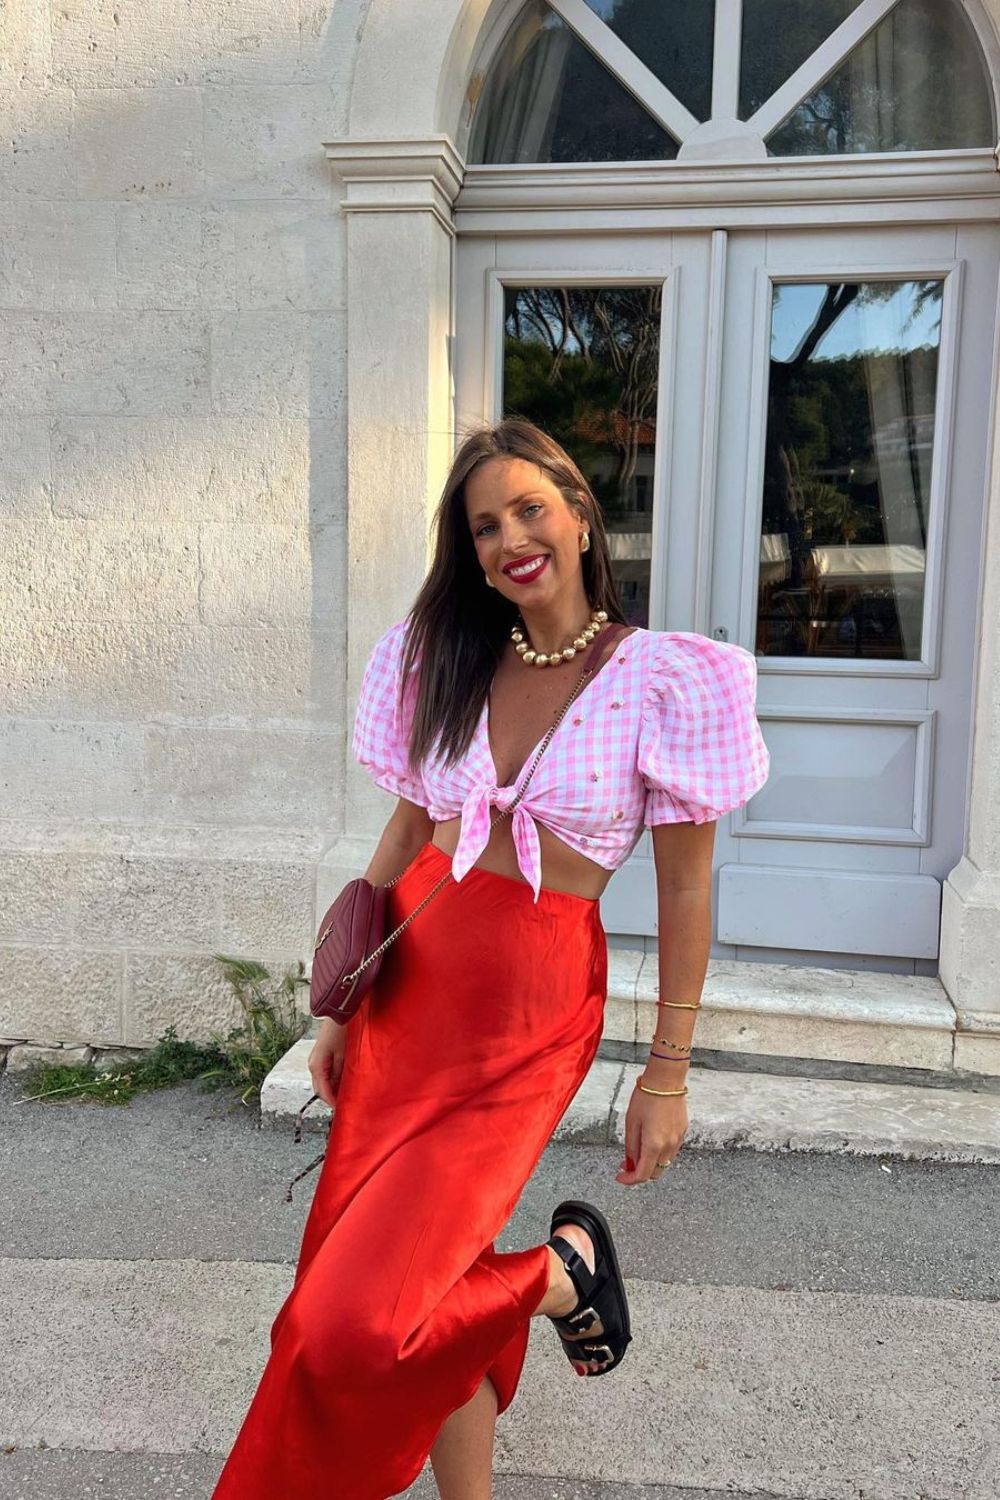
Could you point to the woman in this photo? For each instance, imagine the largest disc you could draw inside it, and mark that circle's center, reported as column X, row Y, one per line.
column 405, row 1332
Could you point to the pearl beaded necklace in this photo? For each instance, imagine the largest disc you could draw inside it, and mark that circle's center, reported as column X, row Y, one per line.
column 531, row 658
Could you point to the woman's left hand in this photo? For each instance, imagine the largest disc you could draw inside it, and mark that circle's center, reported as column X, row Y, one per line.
column 654, row 1130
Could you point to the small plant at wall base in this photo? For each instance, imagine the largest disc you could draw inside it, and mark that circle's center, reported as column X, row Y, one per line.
column 169, row 1062
column 272, row 1023
column 242, row 1057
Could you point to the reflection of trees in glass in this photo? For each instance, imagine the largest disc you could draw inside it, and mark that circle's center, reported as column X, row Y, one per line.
column 777, row 37
column 582, row 362
column 916, row 83
column 802, row 427
column 548, row 97
column 821, row 478
column 674, row 41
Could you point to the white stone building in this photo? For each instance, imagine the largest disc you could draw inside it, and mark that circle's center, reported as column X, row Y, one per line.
column 740, row 255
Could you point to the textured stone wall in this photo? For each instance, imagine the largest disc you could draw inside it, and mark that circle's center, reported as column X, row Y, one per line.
column 172, row 495
column 172, row 498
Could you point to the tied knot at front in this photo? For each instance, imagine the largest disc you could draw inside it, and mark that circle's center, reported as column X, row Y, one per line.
column 475, row 832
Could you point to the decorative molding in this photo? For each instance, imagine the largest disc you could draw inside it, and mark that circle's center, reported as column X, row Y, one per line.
column 499, row 199
column 922, row 721
column 418, row 174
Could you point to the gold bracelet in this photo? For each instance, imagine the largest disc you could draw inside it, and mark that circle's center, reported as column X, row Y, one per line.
column 680, row 1004
column 665, row 1041
column 663, row 1092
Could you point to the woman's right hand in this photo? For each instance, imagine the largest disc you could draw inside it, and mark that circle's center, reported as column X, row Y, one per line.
column 326, row 1060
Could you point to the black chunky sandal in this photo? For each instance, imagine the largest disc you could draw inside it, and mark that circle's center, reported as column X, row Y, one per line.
column 600, row 1293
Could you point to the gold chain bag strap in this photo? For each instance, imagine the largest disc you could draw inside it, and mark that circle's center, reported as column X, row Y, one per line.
column 341, row 971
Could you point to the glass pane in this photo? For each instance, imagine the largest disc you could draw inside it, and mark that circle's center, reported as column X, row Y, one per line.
column 918, row 83
column 674, row 41
column 548, row 98
column 850, row 439
column 778, row 36
column 582, row 362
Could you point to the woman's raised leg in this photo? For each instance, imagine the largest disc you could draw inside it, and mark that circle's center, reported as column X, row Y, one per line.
column 462, row 1455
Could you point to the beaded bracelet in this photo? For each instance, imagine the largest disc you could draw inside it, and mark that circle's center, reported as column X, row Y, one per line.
column 683, row 1052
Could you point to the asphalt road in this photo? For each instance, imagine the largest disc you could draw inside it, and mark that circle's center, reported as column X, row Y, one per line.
column 814, row 1327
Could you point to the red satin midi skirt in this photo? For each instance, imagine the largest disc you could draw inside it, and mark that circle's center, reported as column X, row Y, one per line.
column 484, row 1019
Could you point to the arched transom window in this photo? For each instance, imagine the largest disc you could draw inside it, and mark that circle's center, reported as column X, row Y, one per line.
column 737, row 80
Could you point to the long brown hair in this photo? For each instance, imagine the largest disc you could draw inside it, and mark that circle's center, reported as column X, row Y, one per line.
column 459, row 626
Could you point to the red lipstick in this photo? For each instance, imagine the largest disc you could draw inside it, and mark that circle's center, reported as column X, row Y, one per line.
column 540, row 563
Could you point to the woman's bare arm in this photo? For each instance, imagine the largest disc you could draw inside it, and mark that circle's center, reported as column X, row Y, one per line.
column 405, row 834
column 655, row 1126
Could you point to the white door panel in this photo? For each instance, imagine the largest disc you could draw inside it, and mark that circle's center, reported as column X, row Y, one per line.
column 822, row 911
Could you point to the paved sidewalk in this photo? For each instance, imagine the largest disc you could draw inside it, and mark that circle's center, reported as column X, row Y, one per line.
column 810, row 1326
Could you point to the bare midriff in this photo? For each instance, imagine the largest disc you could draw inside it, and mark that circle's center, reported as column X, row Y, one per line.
column 563, row 868
column 522, row 707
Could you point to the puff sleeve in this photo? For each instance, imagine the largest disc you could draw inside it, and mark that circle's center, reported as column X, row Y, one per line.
column 381, row 728
column 701, row 751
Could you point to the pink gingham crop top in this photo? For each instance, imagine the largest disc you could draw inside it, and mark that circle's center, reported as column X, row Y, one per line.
column 665, row 731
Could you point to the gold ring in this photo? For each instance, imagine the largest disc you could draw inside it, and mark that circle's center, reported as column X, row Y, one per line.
column 663, row 1164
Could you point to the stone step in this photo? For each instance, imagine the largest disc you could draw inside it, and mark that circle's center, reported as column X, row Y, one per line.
column 799, row 1012
column 795, row 1011
column 763, row 1111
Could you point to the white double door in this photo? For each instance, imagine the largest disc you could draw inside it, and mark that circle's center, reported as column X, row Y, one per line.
column 818, row 486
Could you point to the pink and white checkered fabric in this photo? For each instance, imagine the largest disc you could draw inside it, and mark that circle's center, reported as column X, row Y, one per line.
column 665, row 732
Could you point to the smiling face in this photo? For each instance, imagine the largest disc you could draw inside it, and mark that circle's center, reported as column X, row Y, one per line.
column 517, row 516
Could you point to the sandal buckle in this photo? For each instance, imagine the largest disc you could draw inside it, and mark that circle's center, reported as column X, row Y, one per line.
column 583, row 1313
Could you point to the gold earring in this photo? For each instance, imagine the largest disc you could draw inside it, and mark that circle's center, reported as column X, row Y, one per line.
column 585, row 542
